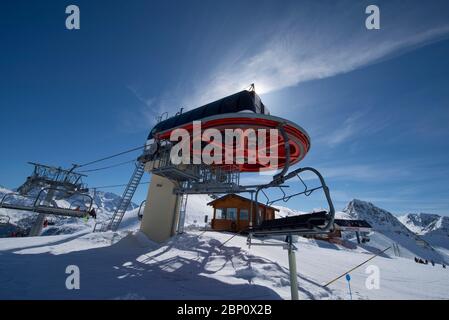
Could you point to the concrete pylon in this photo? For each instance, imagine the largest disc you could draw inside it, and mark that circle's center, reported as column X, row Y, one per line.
column 160, row 217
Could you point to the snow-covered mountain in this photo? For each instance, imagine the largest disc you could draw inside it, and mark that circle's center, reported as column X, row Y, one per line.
column 380, row 219
column 431, row 227
column 389, row 231
column 425, row 223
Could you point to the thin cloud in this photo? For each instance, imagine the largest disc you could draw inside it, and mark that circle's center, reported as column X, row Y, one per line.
column 296, row 57
column 351, row 126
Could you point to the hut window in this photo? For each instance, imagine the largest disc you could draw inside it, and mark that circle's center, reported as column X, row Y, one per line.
column 243, row 214
column 220, row 213
column 231, row 213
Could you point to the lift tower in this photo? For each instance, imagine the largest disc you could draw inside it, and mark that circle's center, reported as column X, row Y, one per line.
column 58, row 182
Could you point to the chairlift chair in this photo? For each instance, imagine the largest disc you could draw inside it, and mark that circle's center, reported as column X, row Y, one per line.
column 4, row 219
column 305, row 224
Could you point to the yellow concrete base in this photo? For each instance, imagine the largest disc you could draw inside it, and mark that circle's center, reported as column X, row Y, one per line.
column 161, row 212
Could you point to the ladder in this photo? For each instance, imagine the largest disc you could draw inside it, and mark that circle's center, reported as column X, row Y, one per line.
column 182, row 212
column 126, row 198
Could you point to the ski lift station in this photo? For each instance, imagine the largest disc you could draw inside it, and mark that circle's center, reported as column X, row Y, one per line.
column 172, row 181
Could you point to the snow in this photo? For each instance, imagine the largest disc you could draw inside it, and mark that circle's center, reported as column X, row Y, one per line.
column 126, row 265
column 197, row 209
column 389, row 231
column 432, row 228
column 194, row 265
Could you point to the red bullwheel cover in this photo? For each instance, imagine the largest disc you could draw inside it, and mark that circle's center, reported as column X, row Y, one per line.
column 299, row 140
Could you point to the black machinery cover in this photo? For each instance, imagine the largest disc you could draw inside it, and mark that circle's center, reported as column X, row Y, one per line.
column 240, row 101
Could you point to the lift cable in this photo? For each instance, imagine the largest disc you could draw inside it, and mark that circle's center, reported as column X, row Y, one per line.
column 110, row 157
column 357, row 266
column 117, row 185
column 108, row 167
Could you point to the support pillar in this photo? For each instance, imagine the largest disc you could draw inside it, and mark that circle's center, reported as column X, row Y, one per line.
column 38, row 225
column 160, row 217
column 292, row 267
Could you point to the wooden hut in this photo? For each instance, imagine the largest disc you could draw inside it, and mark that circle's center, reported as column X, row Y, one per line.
column 231, row 213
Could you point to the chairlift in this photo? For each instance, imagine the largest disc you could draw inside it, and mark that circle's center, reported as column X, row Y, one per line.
column 38, row 204
column 77, row 204
column 4, row 219
column 305, row 224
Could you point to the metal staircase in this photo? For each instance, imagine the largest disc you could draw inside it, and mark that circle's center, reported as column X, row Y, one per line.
column 126, row 198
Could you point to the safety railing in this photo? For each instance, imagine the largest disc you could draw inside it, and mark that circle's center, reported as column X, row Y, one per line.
column 9, row 195
column 37, row 202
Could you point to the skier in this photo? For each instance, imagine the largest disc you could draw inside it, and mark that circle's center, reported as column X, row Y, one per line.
column 416, row 259
column 433, row 263
column 444, row 266
column 93, row 213
column 45, row 223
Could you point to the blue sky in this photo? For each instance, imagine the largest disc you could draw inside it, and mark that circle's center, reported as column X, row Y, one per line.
column 375, row 103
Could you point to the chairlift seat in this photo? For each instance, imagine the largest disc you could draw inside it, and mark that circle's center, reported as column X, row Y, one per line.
column 297, row 224
column 4, row 219
column 61, row 211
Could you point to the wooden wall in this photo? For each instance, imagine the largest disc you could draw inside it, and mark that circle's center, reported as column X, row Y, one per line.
column 238, row 203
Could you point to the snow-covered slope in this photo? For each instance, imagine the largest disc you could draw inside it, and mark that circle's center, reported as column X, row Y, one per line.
column 197, row 209
column 390, row 231
column 195, row 266
column 431, row 227
column 433, row 244
column 126, row 265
